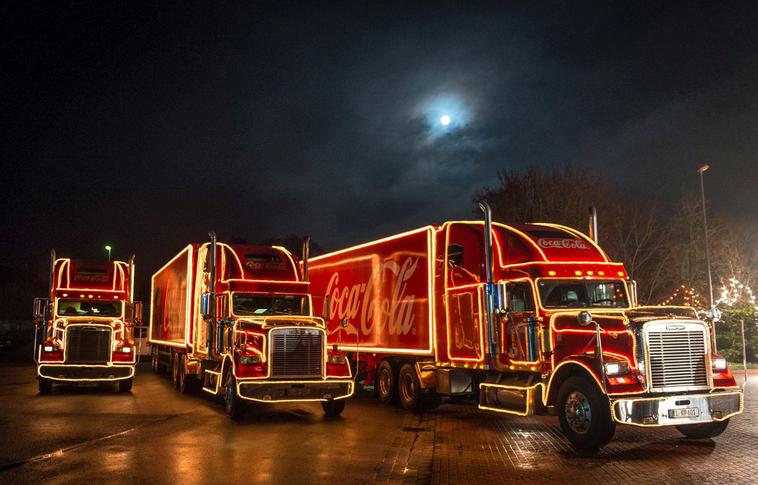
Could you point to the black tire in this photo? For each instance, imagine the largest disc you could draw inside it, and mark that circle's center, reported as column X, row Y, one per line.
column 432, row 399
column 125, row 385
column 386, row 382
column 333, row 407
column 154, row 360
column 233, row 404
column 409, row 389
column 703, row 430
column 175, row 369
column 585, row 413
column 45, row 386
column 182, row 382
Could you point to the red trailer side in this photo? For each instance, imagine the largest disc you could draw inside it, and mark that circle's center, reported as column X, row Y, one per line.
column 379, row 294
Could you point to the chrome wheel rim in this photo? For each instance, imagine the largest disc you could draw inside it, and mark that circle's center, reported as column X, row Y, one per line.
column 406, row 388
column 578, row 412
column 385, row 383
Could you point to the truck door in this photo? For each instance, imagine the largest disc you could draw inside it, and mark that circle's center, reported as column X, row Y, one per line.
column 521, row 328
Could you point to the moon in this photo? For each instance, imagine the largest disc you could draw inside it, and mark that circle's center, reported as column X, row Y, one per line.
column 445, row 120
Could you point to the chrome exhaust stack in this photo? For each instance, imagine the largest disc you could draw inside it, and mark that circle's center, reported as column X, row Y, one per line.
column 489, row 286
column 306, row 255
column 593, row 224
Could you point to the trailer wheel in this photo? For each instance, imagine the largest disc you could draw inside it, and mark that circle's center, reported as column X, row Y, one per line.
column 386, row 382
column 333, row 407
column 45, row 386
column 175, row 369
column 585, row 414
column 703, row 430
column 155, row 360
column 125, row 385
column 233, row 404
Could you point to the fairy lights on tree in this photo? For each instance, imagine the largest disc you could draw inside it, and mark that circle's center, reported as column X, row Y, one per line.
column 735, row 292
column 684, row 296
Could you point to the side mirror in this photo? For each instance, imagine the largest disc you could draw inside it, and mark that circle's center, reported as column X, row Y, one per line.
column 326, row 313
column 632, row 285
column 584, row 318
column 205, row 306
column 137, row 312
column 40, row 310
column 714, row 314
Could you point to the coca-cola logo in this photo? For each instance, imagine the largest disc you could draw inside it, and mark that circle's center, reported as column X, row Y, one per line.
column 91, row 277
column 561, row 243
column 374, row 309
column 266, row 266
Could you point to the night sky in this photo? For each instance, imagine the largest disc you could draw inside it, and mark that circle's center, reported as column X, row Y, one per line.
column 145, row 126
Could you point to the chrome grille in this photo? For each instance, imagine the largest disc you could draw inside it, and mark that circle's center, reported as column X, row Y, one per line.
column 88, row 344
column 296, row 352
column 677, row 357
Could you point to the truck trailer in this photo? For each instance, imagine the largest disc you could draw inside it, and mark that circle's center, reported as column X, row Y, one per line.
column 84, row 328
column 526, row 319
column 237, row 320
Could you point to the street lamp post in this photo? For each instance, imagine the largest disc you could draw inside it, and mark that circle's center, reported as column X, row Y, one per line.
column 701, row 171
column 108, row 248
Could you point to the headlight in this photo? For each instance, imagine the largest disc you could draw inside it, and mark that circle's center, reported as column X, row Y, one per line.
column 614, row 368
column 336, row 359
column 719, row 363
column 250, row 360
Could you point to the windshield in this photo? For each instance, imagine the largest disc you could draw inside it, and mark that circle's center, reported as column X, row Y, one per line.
column 246, row 304
column 582, row 294
column 88, row 308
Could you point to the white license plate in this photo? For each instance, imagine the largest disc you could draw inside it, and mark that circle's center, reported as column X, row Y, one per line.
column 684, row 413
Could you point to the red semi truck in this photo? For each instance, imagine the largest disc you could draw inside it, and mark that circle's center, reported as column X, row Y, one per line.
column 84, row 327
column 527, row 319
column 238, row 320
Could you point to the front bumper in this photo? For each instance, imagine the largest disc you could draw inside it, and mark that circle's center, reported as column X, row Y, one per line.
column 288, row 391
column 668, row 410
column 85, row 372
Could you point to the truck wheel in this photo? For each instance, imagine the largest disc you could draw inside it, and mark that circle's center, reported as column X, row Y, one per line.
column 409, row 389
column 125, row 385
column 432, row 399
column 154, row 361
column 333, row 407
column 703, row 430
column 45, row 386
column 186, row 382
column 175, row 369
column 386, row 382
column 233, row 404
column 585, row 414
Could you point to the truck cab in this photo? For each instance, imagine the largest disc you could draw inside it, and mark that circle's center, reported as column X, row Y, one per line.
column 561, row 333
column 84, row 329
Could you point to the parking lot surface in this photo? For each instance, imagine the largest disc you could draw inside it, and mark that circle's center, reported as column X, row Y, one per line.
column 156, row 435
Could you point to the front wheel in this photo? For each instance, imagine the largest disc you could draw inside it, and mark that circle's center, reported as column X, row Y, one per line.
column 233, row 404
column 333, row 407
column 45, row 386
column 585, row 414
column 125, row 385
column 703, row 430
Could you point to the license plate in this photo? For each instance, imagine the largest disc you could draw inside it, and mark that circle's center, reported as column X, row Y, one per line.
column 297, row 391
column 684, row 413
